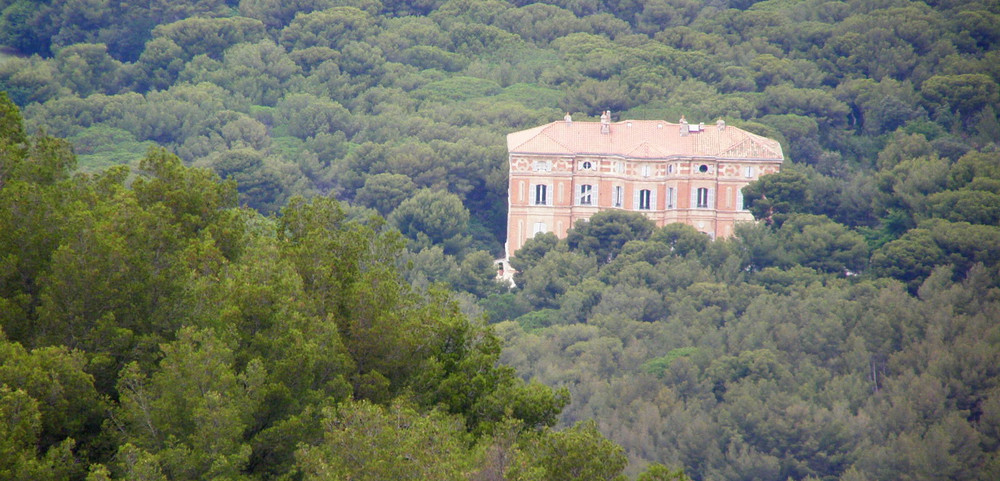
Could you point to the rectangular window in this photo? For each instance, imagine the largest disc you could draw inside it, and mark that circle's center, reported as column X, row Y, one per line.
column 645, row 197
column 644, row 170
column 670, row 197
column 739, row 199
column 541, row 195
column 748, row 171
column 702, row 198
column 619, row 196
column 539, row 228
column 586, row 191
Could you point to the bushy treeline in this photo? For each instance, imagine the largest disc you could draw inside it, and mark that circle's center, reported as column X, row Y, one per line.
column 777, row 354
column 150, row 329
column 342, row 97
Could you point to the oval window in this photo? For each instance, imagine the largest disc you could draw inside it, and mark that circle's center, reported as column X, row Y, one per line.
column 586, row 166
column 703, row 168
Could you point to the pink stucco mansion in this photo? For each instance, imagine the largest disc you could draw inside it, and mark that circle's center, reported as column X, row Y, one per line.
column 566, row 171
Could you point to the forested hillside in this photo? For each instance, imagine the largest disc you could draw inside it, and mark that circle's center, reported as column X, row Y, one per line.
column 336, row 278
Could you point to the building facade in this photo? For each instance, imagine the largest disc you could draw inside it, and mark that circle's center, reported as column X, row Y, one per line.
column 566, row 171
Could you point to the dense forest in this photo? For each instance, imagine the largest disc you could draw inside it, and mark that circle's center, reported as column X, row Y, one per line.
column 254, row 240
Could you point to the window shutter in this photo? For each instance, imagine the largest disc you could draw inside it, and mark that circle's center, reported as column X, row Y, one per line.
column 739, row 199
column 652, row 199
column 694, row 197
column 711, row 198
column 635, row 199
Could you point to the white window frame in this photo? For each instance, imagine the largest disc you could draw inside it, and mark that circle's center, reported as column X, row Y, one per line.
column 618, row 196
column 645, row 199
column 540, row 195
column 586, row 196
column 671, row 197
column 703, row 198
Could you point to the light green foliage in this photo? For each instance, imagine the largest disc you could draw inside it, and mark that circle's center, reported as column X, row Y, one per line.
column 181, row 337
column 364, row 441
column 71, row 406
column 190, row 415
column 580, row 452
column 659, row 472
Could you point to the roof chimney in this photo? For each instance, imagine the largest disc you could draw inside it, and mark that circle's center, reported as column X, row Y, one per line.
column 568, row 118
column 606, row 122
column 720, row 124
column 684, row 127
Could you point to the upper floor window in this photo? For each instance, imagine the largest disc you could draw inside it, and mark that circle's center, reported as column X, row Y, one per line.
column 645, row 170
column 645, row 199
column 586, row 194
column 618, row 196
column 748, row 171
column 671, row 197
column 541, row 195
column 587, row 165
column 541, row 166
column 702, row 198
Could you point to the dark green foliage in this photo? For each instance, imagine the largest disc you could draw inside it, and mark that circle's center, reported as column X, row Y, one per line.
column 604, row 234
column 433, row 218
column 758, row 356
column 773, row 197
column 158, row 331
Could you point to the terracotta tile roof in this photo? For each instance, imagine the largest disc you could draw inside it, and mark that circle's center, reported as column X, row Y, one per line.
column 642, row 139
